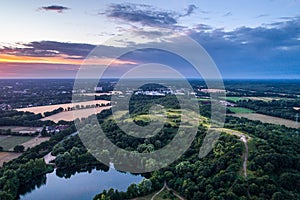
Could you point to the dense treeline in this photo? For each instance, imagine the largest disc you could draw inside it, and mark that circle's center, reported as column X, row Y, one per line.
column 10, row 132
column 71, row 156
column 53, row 112
column 277, row 108
column 263, row 88
column 20, row 118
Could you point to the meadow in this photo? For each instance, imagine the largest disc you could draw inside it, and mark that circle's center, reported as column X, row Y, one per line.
column 9, row 142
column 238, row 110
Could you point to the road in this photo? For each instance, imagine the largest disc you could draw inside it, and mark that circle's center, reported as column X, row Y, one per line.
column 244, row 138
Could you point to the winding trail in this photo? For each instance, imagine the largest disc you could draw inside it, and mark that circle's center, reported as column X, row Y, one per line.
column 169, row 189
column 244, row 138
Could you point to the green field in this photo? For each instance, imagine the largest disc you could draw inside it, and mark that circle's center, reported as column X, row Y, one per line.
column 238, row 110
column 200, row 99
column 236, row 99
column 9, row 142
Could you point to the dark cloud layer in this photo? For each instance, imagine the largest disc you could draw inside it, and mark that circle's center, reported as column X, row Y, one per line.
column 55, row 8
column 254, row 52
column 146, row 14
column 50, row 49
column 267, row 51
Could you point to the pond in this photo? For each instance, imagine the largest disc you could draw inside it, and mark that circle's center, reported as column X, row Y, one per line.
column 81, row 186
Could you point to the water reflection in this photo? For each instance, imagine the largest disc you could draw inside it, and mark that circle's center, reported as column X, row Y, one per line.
column 77, row 184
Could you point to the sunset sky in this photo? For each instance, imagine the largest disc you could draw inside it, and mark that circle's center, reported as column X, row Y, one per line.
column 246, row 39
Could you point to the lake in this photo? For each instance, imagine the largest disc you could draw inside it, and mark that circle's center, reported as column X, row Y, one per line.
column 81, row 186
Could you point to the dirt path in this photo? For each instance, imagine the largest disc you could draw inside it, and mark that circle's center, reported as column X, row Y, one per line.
column 169, row 189
column 244, row 138
column 49, row 158
column 157, row 193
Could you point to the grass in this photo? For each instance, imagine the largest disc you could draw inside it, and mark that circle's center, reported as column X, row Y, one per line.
column 174, row 118
column 9, row 142
column 200, row 99
column 165, row 195
column 236, row 99
column 269, row 119
column 149, row 196
column 239, row 110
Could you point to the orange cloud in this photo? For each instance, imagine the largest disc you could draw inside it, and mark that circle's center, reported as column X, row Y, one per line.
column 63, row 59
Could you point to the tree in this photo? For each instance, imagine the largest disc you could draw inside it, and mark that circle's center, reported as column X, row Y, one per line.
column 44, row 132
column 145, row 186
column 19, row 148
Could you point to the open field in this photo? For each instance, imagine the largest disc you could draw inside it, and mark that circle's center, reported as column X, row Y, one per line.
column 236, row 99
column 268, row 119
column 239, row 110
column 42, row 109
column 9, row 142
column 263, row 98
column 72, row 115
column 172, row 116
column 200, row 99
column 8, row 156
column 35, row 141
column 21, row 129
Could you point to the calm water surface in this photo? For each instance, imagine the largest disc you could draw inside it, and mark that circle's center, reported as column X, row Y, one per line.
column 81, row 186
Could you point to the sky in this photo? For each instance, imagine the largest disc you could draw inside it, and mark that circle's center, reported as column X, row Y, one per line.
column 53, row 39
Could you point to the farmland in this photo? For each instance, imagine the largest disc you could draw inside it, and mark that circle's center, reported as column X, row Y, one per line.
column 42, row 109
column 9, row 142
column 8, row 156
column 35, row 141
column 72, row 115
column 22, row 129
column 268, row 119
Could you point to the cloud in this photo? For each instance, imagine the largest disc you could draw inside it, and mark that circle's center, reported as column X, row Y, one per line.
column 227, row 14
column 52, row 52
column 55, row 8
column 254, row 52
column 262, row 15
column 269, row 50
column 50, row 49
column 146, row 15
column 190, row 10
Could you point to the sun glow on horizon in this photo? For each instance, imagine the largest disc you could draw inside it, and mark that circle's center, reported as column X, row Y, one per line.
column 63, row 59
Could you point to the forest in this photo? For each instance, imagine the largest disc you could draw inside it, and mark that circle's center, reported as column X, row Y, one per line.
column 273, row 165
